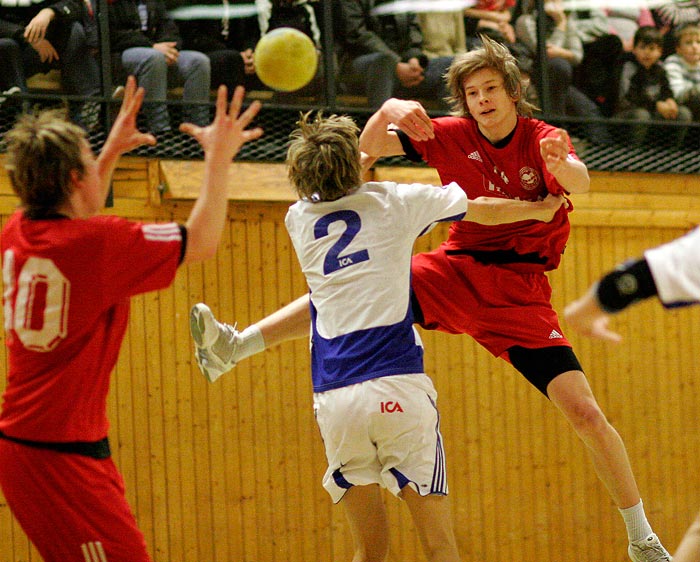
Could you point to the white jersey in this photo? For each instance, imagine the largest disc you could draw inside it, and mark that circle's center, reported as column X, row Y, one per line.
column 675, row 267
column 356, row 255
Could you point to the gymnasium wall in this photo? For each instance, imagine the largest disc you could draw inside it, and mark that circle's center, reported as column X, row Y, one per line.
column 231, row 471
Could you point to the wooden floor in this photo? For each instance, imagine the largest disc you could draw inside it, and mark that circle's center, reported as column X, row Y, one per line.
column 231, row 471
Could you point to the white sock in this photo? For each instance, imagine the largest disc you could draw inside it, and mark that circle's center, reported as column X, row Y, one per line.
column 638, row 527
column 250, row 342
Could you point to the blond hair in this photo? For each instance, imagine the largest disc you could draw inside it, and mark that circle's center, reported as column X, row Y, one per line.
column 42, row 150
column 323, row 158
column 491, row 55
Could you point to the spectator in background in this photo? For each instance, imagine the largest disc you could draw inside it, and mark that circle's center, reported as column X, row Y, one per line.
column 494, row 18
column 382, row 55
column 11, row 73
column 683, row 68
column 300, row 15
column 443, row 33
column 671, row 16
column 49, row 36
column 564, row 53
column 645, row 92
column 229, row 42
column 146, row 43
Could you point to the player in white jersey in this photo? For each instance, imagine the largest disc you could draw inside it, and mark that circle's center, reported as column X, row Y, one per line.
column 375, row 406
column 672, row 273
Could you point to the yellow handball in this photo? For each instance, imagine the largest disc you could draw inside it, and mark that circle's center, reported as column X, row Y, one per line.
column 285, row 59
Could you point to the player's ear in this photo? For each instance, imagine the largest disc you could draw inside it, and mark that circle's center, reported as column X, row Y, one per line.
column 76, row 178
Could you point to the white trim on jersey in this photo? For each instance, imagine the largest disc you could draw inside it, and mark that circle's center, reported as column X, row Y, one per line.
column 167, row 232
column 93, row 552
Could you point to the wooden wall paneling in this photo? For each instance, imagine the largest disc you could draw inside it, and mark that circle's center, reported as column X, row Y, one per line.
column 224, row 442
column 175, row 336
column 250, row 503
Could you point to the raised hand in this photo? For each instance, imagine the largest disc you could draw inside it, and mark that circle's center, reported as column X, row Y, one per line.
column 124, row 135
column 409, row 116
column 555, row 150
column 223, row 138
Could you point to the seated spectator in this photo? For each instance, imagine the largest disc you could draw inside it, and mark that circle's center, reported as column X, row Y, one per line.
column 229, row 42
column 683, row 68
column 564, row 53
column 300, row 15
column 443, row 33
column 596, row 75
column 49, row 35
column 382, row 56
column 146, row 43
column 11, row 73
column 645, row 92
column 494, row 18
column 672, row 15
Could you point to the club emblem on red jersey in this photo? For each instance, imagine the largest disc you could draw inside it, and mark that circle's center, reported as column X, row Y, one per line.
column 529, row 178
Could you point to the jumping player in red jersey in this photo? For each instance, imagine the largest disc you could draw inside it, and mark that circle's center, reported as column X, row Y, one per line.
column 491, row 146
column 489, row 281
column 68, row 275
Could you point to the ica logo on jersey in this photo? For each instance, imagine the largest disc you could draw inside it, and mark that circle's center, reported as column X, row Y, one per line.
column 389, row 407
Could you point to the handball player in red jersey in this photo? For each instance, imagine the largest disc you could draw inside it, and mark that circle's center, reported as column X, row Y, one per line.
column 490, row 282
column 68, row 275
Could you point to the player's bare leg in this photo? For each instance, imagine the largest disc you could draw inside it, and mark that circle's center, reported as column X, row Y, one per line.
column 571, row 393
column 220, row 346
column 290, row 322
column 689, row 549
column 368, row 522
column 432, row 516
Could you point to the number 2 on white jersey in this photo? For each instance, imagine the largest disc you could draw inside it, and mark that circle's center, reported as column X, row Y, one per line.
column 40, row 314
column 333, row 260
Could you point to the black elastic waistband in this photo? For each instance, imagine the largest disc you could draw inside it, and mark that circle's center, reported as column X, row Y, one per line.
column 499, row 256
column 94, row 449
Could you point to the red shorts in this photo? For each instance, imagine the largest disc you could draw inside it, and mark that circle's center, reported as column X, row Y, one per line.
column 71, row 507
column 497, row 306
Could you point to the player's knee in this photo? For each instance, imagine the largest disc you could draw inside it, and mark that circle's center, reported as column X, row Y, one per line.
column 586, row 417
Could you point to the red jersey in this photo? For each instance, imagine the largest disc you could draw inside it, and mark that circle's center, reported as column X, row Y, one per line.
column 67, row 288
column 512, row 170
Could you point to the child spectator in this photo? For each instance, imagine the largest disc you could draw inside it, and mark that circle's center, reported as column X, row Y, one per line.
column 645, row 92
column 683, row 68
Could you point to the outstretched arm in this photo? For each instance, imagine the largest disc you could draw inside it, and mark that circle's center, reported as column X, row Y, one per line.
column 494, row 210
column 221, row 141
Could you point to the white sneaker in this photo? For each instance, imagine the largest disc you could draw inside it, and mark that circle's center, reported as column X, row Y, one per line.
column 215, row 342
column 649, row 549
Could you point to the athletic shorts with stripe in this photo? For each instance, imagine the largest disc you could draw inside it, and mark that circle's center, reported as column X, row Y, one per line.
column 382, row 431
column 502, row 307
column 72, row 507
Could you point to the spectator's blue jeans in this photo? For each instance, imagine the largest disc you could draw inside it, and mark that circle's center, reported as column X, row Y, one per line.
column 152, row 71
column 376, row 73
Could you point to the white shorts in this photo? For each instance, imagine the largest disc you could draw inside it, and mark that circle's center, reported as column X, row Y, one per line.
column 383, row 431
